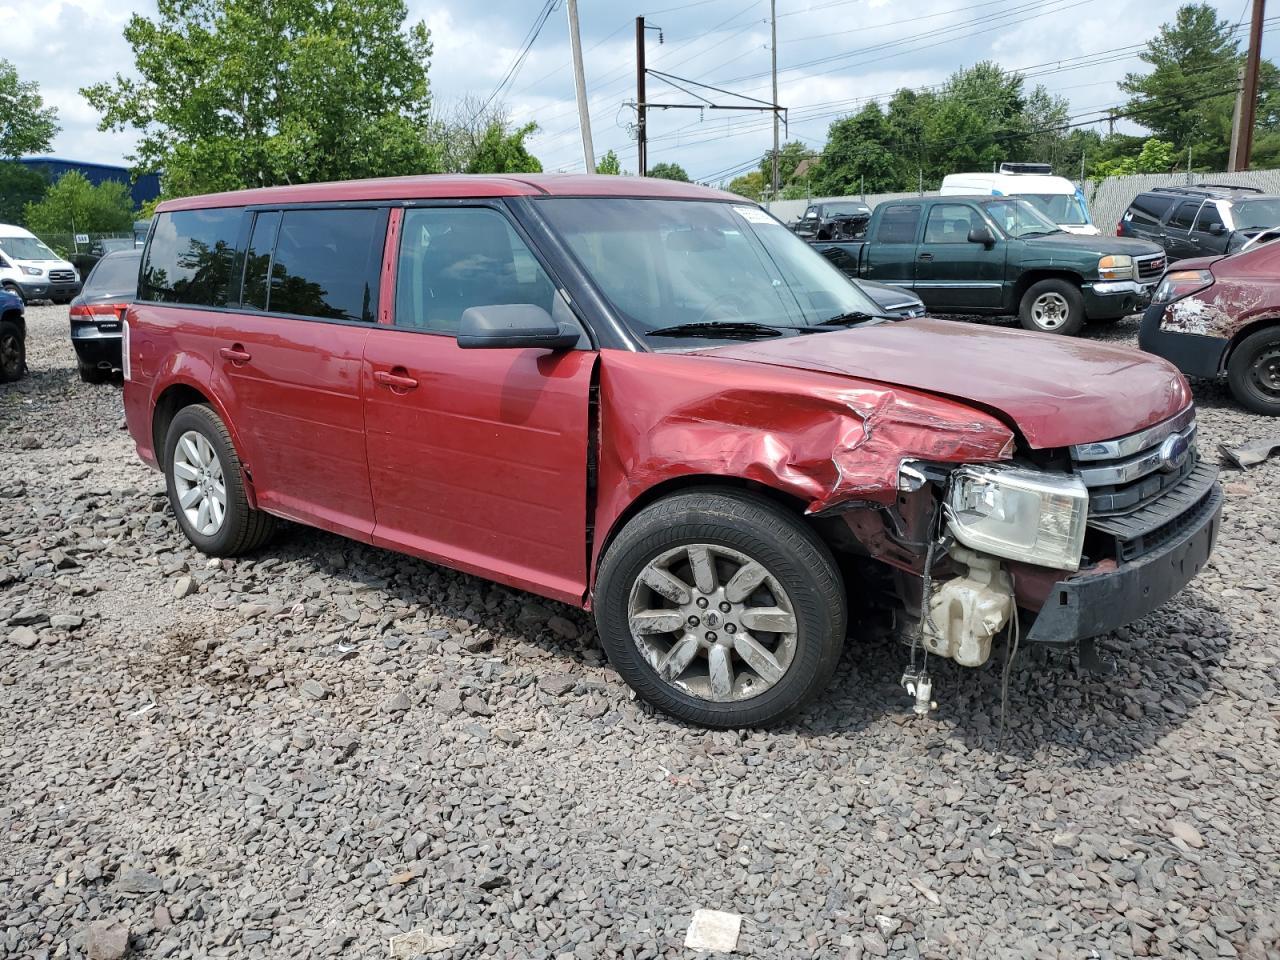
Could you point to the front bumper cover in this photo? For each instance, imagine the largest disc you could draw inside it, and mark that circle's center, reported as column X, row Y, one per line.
column 1115, row 298
column 1091, row 605
column 39, row 288
column 1195, row 354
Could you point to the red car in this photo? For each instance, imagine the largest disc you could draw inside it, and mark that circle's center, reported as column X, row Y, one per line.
column 1221, row 315
column 652, row 400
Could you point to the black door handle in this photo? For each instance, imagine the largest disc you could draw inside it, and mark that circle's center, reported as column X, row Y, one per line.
column 926, row 256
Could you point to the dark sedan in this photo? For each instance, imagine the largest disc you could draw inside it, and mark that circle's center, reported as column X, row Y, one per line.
column 97, row 315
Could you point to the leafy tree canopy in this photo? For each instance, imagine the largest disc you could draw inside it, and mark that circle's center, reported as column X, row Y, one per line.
column 19, row 186
column 668, row 171
column 239, row 93
column 73, row 205
column 609, row 164
column 26, row 124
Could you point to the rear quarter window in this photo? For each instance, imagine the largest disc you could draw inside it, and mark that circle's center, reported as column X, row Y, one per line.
column 191, row 257
column 1150, row 207
column 114, row 274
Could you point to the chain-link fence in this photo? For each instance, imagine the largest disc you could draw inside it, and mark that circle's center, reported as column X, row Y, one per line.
column 1107, row 198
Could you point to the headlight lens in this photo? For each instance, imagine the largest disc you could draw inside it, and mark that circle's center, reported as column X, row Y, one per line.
column 1020, row 514
column 33, row 271
column 1181, row 283
column 1116, row 267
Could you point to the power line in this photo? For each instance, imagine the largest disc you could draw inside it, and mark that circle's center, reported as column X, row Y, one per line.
column 539, row 22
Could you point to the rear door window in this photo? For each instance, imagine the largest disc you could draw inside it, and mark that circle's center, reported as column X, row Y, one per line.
column 1149, row 208
column 898, row 224
column 191, row 257
column 325, row 264
column 1182, row 217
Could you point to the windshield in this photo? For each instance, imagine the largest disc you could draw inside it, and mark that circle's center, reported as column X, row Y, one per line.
column 662, row 263
column 1017, row 218
column 115, row 275
column 26, row 248
column 1061, row 208
column 1252, row 214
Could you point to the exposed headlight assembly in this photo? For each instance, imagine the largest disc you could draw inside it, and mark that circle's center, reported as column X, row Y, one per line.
column 1019, row 514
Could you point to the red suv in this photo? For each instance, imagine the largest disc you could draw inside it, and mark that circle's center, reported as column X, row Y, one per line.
column 1216, row 315
column 652, row 400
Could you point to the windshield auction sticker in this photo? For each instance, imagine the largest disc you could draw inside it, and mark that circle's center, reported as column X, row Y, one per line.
column 755, row 215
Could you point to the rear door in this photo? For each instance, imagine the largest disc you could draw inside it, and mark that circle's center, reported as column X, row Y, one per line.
column 291, row 357
column 478, row 458
column 1145, row 216
column 891, row 252
column 1178, row 242
column 952, row 273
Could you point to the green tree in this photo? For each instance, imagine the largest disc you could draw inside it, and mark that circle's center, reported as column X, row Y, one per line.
column 26, row 124
column 669, row 171
column 502, row 150
column 609, row 164
column 1188, row 96
column 790, row 155
column 73, row 205
column 1156, row 156
column 750, row 185
column 19, row 186
column 238, row 93
column 856, row 156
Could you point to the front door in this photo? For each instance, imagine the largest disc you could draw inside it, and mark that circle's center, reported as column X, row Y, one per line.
column 1178, row 242
column 477, row 458
column 952, row 273
column 292, row 362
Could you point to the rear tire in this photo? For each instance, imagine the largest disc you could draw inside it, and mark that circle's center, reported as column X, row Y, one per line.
column 13, row 352
column 92, row 374
column 707, row 651
column 1253, row 372
column 1052, row 306
column 206, row 486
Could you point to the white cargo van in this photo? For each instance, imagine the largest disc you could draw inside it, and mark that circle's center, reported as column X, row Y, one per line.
column 31, row 270
column 1056, row 197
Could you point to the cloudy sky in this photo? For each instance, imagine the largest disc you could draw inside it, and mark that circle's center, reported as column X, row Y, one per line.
column 832, row 56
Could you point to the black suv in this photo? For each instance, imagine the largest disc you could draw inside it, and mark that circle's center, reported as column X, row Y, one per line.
column 1205, row 220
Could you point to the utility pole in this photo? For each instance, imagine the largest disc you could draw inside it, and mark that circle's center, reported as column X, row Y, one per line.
column 642, row 150
column 773, row 50
column 580, row 87
column 1233, row 163
column 1242, row 135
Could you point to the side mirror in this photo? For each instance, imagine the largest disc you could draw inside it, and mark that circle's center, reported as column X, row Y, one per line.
column 513, row 326
column 1217, row 229
column 982, row 235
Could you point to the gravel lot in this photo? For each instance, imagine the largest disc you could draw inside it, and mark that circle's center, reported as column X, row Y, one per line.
column 311, row 751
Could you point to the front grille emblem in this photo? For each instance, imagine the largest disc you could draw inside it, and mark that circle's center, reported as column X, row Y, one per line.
column 1173, row 452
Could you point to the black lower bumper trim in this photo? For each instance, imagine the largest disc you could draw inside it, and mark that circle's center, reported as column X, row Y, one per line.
column 1089, row 606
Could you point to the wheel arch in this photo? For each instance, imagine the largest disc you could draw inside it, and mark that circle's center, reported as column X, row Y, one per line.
column 1033, row 276
column 183, row 393
column 673, row 486
column 1248, row 330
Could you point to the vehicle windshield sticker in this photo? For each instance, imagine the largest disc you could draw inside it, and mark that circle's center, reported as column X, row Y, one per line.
column 755, row 215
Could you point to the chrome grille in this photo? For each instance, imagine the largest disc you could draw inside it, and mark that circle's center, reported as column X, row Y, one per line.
column 61, row 276
column 1150, row 268
column 1140, row 484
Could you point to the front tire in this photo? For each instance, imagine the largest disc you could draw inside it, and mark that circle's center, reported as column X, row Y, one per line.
column 721, row 609
column 206, row 487
column 13, row 352
column 1052, row 306
column 1253, row 372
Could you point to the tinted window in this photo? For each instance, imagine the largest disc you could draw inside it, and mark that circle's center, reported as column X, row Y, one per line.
column 1182, row 217
column 190, row 257
column 950, row 223
column 1150, row 207
column 1208, row 216
column 455, row 258
column 257, row 261
column 898, row 224
column 115, row 274
column 326, row 264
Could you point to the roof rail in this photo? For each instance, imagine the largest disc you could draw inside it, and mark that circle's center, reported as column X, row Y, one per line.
column 1206, row 189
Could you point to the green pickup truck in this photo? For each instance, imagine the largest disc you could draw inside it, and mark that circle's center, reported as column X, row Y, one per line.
column 1000, row 256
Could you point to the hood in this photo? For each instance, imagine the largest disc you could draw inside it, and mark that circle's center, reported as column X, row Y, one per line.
column 1055, row 390
column 1098, row 244
column 1195, row 263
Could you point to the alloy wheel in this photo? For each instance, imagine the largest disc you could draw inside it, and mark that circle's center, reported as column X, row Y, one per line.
column 712, row 622
column 198, row 479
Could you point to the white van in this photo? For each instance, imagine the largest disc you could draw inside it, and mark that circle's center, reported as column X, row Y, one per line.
column 33, row 271
column 1056, row 197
